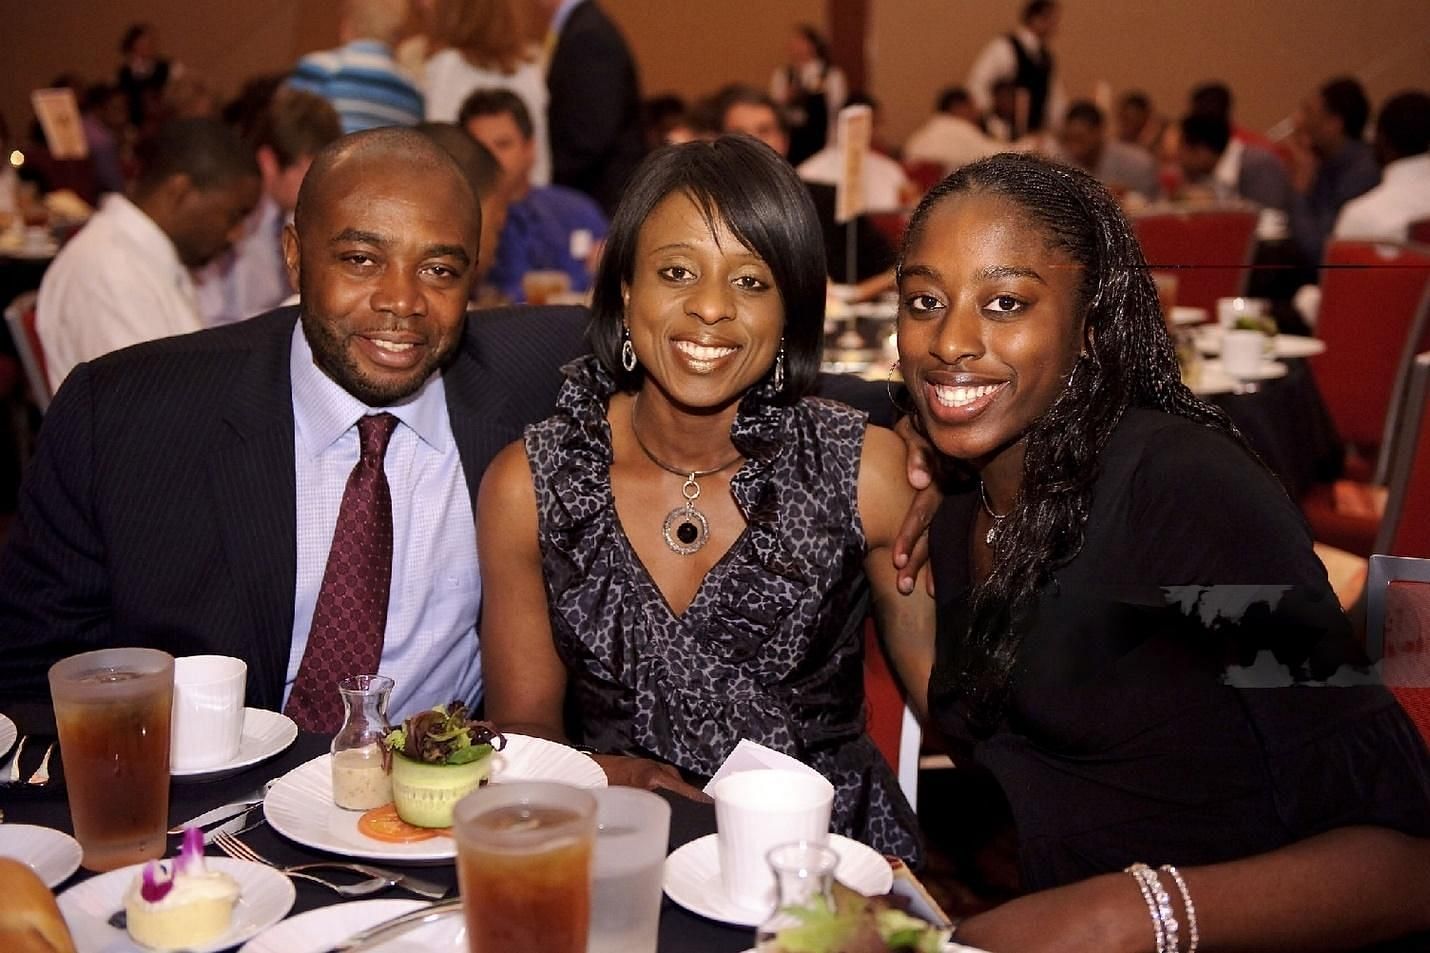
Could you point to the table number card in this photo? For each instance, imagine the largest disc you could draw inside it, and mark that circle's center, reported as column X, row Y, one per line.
column 58, row 113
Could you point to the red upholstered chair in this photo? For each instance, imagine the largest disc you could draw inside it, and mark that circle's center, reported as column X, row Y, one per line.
column 20, row 318
column 891, row 724
column 924, row 174
column 1398, row 632
column 1405, row 527
column 1374, row 317
column 1209, row 250
column 1420, row 232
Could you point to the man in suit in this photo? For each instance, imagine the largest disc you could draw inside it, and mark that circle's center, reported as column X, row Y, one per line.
column 595, row 104
column 218, row 492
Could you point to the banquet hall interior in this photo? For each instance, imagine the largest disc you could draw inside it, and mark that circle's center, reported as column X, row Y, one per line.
column 1272, row 159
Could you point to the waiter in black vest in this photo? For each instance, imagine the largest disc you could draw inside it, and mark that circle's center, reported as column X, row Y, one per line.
column 1024, row 58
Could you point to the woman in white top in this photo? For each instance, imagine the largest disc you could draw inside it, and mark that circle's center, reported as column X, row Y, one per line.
column 483, row 47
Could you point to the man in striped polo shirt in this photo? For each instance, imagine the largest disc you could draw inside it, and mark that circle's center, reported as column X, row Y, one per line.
column 361, row 78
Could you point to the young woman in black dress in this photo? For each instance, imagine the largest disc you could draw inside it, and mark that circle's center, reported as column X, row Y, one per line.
column 1135, row 636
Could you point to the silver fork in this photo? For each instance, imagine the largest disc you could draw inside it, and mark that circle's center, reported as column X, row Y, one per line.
column 12, row 770
column 238, row 850
column 42, row 776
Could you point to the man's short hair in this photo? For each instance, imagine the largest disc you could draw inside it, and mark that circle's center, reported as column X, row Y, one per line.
column 951, row 97
column 1206, row 130
column 132, row 35
column 1212, row 99
column 495, row 101
column 205, row 150
column 376, row 19
column 1344, row 98
column 1036, row 8
column 296, row 125
column 482, row 170
column 742, row 94
column 1404, row 123
column 1084, row 110
column 1137, row 100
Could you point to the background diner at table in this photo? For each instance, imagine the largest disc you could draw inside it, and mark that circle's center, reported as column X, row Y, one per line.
column 188, row 466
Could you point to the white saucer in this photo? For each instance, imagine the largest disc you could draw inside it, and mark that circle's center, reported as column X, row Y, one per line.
column 265, row 734
column 1184, row 315
column 692, row 878
column 267, row 896
column 7, row 735
column 1285, row 346
column 326, row 927
column 51, row 854
column 1214, row 379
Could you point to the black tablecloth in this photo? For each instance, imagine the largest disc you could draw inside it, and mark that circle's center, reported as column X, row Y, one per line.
column 1288, row 425
column 680, row 931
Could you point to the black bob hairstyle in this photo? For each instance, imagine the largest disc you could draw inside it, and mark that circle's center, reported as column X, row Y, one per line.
column 741, row 182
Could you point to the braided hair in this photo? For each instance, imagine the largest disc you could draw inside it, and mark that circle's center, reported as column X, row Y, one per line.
column 1128, row 361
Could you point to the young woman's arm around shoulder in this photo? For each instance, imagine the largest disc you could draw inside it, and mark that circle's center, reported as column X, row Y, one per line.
column 525, row 679
column 905, row 621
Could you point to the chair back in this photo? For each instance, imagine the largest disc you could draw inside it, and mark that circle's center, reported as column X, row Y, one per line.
column 20, row 318
column 1398, row 631
column 1419, row 232
column 1405, row 525
column 890, row 724
column 1374, row 318
column 1209, row 250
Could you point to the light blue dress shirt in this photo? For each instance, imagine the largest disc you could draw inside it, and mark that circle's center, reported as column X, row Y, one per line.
column 430, row 648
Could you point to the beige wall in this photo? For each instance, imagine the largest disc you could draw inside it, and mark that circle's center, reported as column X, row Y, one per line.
column 1271, row 52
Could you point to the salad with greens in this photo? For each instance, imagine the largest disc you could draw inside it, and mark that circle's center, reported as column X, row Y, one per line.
column 856, row 924
column 444, row 735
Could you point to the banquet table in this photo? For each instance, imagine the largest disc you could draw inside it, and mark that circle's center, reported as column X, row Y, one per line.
column 680, row 931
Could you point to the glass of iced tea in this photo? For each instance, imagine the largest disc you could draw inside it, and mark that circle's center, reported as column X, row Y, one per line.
column 112, row 709
column 524, row 866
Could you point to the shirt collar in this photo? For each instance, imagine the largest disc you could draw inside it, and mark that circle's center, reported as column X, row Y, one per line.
column 1228, row 168
column 136, row 223
column 562, row 14
column 323, row 411
column 1028, row 39
column 369, row 46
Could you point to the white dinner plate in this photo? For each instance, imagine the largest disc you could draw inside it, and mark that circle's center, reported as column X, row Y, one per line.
column 692, row 877
column 265, row 734
column 1183, row 315
column 265, row 897
column 1286, row 346
column 300, row 805
column 326, row 927
column 949, row 947
column 53, row 855
column 1213, row 378
column 7, row 735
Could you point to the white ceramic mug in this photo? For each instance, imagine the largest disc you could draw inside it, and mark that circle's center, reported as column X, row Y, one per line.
column 208, row 711
column 758, row 810
column 1242, row 353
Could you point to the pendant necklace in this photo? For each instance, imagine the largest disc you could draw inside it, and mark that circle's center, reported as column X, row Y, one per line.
column 686, row 529
column 997, row 518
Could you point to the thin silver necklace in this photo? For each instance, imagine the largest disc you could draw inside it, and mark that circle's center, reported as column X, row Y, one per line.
column 997, row 518
column 686, row 529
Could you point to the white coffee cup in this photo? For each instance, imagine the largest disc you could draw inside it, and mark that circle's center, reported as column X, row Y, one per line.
column 758, row 810
column 1242, row 353
column 207, row 723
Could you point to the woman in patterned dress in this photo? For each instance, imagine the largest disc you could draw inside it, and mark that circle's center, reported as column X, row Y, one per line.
column 683, row 556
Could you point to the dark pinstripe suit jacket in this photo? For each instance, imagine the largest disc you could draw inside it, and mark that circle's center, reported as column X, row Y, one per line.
column 159, row 509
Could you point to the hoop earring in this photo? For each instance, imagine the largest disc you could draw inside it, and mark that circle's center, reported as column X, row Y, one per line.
column 628, row 351
column 905, row 409
column 779, row 377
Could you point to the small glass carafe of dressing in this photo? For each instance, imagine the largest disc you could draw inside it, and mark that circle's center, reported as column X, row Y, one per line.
column 804, row 875
column 360, row 781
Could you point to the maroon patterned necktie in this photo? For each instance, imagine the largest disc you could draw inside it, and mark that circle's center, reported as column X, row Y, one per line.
column 351, row 613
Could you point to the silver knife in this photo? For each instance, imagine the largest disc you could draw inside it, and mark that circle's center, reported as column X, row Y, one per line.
column 236, row 826
column 401, row 924
column 219, row 813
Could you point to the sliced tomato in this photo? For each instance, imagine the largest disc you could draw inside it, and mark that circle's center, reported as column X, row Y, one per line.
column 382, row 823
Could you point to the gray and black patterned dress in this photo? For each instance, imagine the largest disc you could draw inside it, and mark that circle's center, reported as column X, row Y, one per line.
column 770, row 649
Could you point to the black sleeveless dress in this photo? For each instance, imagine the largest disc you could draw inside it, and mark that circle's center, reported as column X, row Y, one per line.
column 770, row 649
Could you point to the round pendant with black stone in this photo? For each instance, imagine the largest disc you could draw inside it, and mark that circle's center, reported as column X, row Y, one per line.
column 686, row 530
